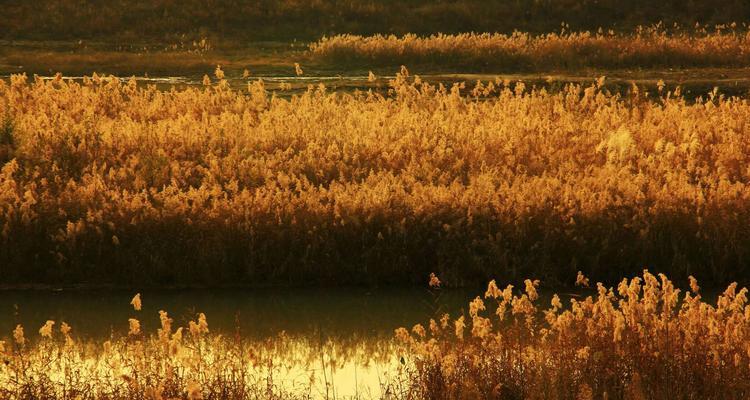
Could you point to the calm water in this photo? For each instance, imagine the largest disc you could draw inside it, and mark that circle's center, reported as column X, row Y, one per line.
column 258, row 313
column 353, row 326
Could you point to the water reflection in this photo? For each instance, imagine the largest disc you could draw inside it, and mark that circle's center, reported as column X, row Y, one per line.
column 317, row 313
column 327, row 342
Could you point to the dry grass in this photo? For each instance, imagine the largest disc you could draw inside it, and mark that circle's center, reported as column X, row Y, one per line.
column 113, row 61
column 645, row 48
column 106, row 181
column 180, row 58
column 640, row 340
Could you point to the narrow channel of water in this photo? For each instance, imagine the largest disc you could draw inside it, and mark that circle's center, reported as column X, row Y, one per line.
column 693, row 83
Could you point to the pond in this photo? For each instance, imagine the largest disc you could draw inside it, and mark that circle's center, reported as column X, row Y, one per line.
column 338, row 340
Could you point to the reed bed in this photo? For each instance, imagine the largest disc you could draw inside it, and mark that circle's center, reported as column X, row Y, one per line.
column 652, row 47
column 109, row 182
column 643, row 339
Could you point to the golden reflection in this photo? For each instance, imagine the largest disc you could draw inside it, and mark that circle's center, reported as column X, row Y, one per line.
column 191, row 362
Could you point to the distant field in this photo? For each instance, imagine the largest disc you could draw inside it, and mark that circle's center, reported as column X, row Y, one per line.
column 235, row 21
column 79, row 58
column 565, row 52
column 650, row 48
column 104, row 181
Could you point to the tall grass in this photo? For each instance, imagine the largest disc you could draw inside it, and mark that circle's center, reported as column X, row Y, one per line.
column 109, row 182
column 643, row 339
column 645, row 48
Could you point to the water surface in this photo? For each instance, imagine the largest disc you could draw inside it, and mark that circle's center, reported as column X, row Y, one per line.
column 258, row 313
column 338, row 340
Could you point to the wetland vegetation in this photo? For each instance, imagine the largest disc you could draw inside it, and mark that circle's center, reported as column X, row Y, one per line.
column 294, row 171
column 112, row 182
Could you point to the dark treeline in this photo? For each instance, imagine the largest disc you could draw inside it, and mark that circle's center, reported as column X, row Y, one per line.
column 226, row 21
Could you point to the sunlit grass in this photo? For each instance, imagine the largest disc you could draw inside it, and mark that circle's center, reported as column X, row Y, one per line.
column 106, row 181
column 643, row 339
column 645, row 48
column 188, row 362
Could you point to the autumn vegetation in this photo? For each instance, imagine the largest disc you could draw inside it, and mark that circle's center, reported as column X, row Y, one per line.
column 652, row 47
column 641, row 339
column 169, row 361
column 107, row 181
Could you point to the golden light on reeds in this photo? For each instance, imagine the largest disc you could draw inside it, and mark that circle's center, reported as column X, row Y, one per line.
column 46, row 330
column 645, row 47
column 478, row 174
column 136, row 302
column 599, row 346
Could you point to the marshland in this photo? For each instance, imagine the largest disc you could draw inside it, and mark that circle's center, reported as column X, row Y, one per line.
column 374, row 200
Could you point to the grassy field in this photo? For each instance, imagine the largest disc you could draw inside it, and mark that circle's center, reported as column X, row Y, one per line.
column 186, row 58
column 110, row 182
column 644, row 339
